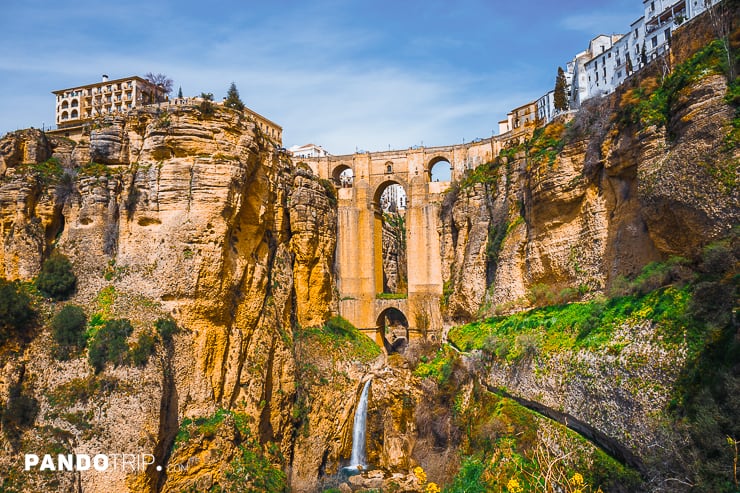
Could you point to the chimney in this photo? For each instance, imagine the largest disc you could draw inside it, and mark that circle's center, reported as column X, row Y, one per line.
column 105, row 77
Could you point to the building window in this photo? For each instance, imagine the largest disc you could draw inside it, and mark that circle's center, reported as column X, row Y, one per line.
column 654, row 41
column 74, row 114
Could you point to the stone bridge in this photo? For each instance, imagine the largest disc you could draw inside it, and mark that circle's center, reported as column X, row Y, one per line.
column 359, row 231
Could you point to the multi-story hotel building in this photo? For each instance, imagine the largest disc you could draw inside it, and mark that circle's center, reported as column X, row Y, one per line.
column 78, row 104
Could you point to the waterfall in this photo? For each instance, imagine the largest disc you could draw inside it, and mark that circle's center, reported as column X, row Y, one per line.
column 358, row 430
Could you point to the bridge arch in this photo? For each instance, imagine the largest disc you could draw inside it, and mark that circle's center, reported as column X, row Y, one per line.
column 393, row 326
column 439, row 169
column 384, row 185
column 343, row 175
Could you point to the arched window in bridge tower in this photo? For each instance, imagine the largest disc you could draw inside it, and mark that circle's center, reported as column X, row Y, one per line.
column 389, row 168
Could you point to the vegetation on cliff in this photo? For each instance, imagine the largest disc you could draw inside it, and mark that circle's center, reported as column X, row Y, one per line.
column 15, row 309
column 340, row 339
column 693, row 306
column 56, row 279
column 250, row 466
column 500, row 443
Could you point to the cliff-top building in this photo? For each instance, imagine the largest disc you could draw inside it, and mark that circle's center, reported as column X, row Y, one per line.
column 76, row 105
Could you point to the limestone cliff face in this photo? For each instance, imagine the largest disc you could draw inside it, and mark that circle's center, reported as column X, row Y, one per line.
column 612, row 200
column 178, row 213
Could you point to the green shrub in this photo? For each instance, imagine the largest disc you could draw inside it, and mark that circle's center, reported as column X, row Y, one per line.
column 15, row 309
column 20, row 412
column 68, row 329
column 252, row 472
column 331, row 191
column 470, row 478
column 56, row 279
column 109, row 344
column 143, row 348
column 166, row 328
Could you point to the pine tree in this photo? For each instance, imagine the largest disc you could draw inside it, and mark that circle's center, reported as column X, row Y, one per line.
column 561, row 98
column 629, row 66
column 643, row 55
column 232, row 98
column 179, row 93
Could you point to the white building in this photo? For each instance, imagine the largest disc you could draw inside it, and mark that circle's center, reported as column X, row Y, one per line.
column 613, row 60
column 600, row 69
column 308, row 150
column 546, row 107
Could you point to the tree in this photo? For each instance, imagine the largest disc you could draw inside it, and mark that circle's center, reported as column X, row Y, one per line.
column 68, row 327
column 15, row 308
column 232, row 98
column 161, row 81
column 179, row 93
column 109, row 344
column 561, row 98
column 629, row 67
column 56, row 279
column 643, row 55
column 206, row 106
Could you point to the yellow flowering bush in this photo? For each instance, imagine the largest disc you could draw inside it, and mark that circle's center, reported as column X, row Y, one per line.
column 432, row 488
column 577, row 480
column 513, row 486
column 420, row 474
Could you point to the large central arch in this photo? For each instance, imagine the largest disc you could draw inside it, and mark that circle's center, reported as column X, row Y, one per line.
column 390, row 204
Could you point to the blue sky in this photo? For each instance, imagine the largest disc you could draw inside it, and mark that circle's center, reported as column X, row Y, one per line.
column 343, row 74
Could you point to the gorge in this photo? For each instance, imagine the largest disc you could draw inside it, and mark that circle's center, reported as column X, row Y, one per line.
column 235, row 307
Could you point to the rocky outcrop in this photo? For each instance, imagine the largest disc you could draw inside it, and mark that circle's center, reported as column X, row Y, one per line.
column 23, row 146
column 313, row 223
column 181, row 214
column 612, row 200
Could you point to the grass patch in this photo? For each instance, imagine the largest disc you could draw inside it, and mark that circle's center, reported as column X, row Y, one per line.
column 438, row 368
column 95, row 169
column 575, row 326
column 391, row 296
column 339, row 336
column 546, row 143
column 49, row 171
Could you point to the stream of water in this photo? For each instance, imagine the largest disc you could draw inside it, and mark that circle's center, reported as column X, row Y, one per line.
column 358, row 431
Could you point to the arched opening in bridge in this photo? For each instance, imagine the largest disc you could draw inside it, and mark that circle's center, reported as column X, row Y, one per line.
column 343, row 176
column 440, row 169
column 394, row 326
column 391, row 270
